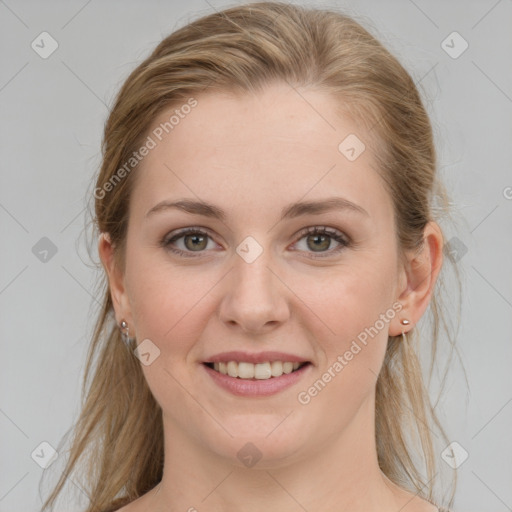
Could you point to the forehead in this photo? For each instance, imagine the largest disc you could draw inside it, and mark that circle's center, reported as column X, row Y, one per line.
column 259, row 150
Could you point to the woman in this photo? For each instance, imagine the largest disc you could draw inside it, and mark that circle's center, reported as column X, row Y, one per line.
column 265, row 216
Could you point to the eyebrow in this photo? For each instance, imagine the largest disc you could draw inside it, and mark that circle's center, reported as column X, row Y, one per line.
column 288, row 212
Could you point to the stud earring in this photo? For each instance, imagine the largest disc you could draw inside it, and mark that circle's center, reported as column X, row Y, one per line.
column 404, row 322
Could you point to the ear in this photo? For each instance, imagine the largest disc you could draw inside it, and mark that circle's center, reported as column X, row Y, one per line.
column 418, row 278
column 115, row 279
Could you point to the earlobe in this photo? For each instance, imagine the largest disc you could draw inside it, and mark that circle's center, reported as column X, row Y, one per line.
column 421, row 272
column 115, row 278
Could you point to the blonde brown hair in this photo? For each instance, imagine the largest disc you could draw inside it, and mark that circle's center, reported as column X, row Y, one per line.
column 118, row 438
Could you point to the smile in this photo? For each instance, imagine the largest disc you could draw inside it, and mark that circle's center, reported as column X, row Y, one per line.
column 260, row 379
column 259, row 371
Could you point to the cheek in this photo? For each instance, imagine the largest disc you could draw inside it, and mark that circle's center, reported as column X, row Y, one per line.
column 351, row 311
column 359, row 311
column 167, row 302
column 348, row 299
column 168, row 307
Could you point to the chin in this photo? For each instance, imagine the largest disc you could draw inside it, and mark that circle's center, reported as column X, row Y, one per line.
column 263, row 441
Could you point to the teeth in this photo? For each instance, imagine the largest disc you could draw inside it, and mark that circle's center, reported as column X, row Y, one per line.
column 260, row 371
column 232, row 369
column 287, row 367
column 276, row 368
column 245, row 370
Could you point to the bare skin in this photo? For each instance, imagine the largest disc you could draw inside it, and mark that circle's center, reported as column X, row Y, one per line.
column 252, row 156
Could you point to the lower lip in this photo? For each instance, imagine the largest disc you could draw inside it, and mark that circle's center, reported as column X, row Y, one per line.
column 257, row 387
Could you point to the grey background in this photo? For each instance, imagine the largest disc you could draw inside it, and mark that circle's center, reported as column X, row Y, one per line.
column 53, row 112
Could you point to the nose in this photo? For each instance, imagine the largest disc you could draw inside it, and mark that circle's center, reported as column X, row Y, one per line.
column 254, row 297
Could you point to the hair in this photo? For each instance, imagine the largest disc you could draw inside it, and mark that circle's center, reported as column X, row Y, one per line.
column 118, row 437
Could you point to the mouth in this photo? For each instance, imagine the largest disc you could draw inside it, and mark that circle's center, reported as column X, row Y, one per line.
column 244, row 370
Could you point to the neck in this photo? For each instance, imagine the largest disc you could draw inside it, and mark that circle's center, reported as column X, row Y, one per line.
column 342, row 474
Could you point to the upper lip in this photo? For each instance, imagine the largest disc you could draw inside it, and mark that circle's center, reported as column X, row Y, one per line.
column 255, row 357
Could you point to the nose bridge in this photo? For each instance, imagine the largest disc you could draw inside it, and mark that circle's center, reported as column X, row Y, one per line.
column 254, row 297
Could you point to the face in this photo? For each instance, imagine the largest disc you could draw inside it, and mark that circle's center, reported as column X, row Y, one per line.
column 317, row 287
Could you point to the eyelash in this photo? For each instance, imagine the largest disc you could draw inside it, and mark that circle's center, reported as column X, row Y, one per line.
column 317, row 230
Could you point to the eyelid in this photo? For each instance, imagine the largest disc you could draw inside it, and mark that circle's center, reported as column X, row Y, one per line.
column 323, row 230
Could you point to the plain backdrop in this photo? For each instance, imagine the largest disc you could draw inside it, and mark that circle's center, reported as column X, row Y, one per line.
column 52, row 115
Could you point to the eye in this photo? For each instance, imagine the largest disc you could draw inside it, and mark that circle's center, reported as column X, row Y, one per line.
column 320, row 238
column 317, row 240
column 194, row 240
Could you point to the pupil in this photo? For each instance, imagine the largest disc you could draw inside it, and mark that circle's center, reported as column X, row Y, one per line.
column 195, row 238
column 325, row 239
